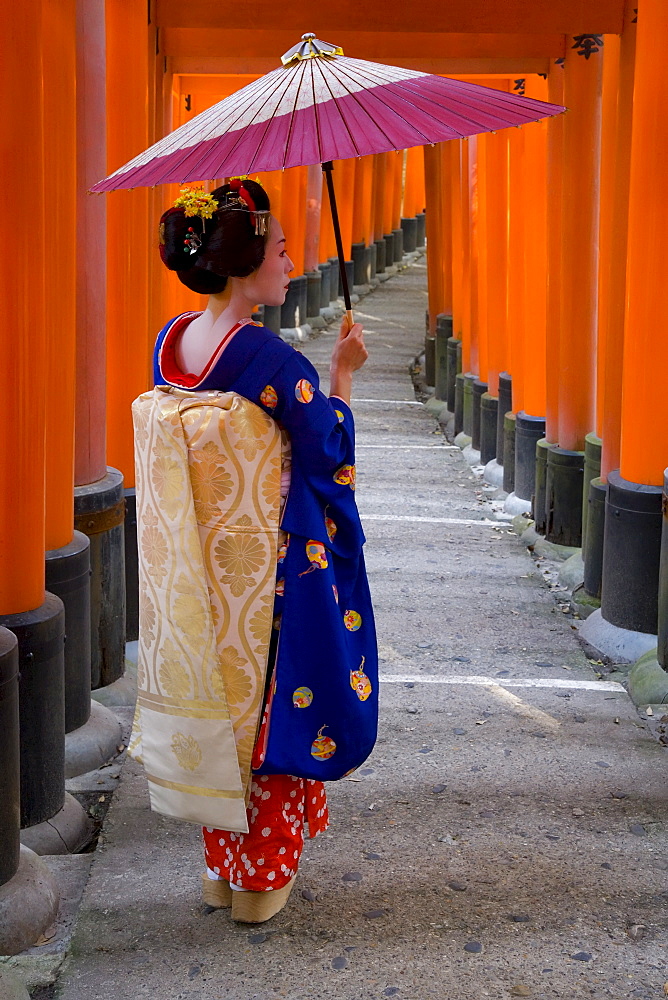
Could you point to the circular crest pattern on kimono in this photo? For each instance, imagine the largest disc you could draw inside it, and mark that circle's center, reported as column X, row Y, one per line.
column 352, row 620
column 345, row 476
column 304, row 391
column 269, row 397
column 302, row 697
column 317, row 556
column 360, row 683
column 331, row 528
column 323, row 747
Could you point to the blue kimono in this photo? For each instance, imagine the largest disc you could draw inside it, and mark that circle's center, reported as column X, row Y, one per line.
column 324, row 697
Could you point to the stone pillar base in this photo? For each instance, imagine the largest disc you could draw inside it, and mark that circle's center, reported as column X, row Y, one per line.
column 28, row 904
column 621, row 645
column 508, row 463
column 94, row 743
column 67, row 832
column 565, row 472
column 648, row 681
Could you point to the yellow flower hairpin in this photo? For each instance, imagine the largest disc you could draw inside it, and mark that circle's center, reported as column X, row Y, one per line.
column 196, row 201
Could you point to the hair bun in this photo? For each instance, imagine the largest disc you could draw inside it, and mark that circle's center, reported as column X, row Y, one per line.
column 180, row 241
column 204, row 253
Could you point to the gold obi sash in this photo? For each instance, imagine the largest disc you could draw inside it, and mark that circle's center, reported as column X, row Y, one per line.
column 208, row 499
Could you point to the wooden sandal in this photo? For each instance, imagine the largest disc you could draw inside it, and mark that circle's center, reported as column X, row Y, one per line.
column 216, row 892
column 256, row 907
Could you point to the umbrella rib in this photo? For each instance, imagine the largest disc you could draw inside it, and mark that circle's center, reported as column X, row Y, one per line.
column 497, row 105
column 269, row 121
column 490, row 105
column 294, row 110
column 403, row 97
column 242, row 111
column 177, row 141
column 361, row 106
column 333, row 98
column 400, row 96
column 315, row 116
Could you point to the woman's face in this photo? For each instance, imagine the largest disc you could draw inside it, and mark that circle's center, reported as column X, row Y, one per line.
column 268, row 285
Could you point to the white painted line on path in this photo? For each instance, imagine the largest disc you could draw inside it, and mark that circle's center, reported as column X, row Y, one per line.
column 428, row 520
column 479, row 680
column 410, row 447
column 396, row 402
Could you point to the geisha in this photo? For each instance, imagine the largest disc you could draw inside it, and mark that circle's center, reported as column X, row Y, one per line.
column 250, row 691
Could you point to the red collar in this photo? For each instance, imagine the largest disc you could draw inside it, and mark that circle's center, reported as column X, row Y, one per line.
column 167, row 363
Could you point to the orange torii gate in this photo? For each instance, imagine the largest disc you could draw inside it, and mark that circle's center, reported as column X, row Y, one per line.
column 561, row 295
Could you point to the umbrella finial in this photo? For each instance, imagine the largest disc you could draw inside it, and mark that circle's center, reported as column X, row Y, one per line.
column 310, row 47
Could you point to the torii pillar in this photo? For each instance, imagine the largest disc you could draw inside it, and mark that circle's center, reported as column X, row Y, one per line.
column 583, row 74
column 633, row 571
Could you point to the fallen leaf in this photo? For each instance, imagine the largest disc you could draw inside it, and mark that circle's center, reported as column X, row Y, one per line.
column 520, row 991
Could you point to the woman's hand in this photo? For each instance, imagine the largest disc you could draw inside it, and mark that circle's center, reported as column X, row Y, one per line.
column 348, row 356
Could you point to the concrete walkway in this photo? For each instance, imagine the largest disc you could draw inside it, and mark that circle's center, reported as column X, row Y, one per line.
column 506, row 838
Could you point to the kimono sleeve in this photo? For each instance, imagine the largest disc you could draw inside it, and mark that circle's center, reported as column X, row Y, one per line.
column 321, row 429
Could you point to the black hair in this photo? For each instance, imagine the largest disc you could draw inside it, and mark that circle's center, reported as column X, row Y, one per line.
column 229, row 246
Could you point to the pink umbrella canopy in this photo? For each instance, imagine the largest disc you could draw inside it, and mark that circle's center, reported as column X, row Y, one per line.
column 320, row 106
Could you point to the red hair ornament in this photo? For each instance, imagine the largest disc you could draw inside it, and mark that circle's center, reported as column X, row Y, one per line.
column 239, row 198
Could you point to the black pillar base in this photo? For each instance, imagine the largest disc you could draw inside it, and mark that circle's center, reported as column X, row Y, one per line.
column 421, row 229
column 528, row 431
column 293, row 310
column 662, row 653
column 398, row 245
column 131, row 574
column 99, row 512
column 443, row 334
column 41, row 655
column 469, row 379
column 350, row 275
column 505, row 406
column 360, row 257
column 479, row 389
column 509, row 422
column 68, row 577
column 631, row 550
column 459, row 403
column 381, row 247
column 563, row 502
column 489, row 406
column 539, row 510
column 389, row 249
column 10, row 818
column 325, row 286
column 313, row 291
column 409, row 227
column 452, row 367
column 592, row 470
column 592, row 544
column 430, row 360
column 373, row 255
column 334, row 279
column 272, row 318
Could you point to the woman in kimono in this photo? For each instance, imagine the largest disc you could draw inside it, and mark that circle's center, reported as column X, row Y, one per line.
column 229, row 246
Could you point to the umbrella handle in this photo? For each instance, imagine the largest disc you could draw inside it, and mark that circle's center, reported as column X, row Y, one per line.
column 350, row 318
column 327, row 169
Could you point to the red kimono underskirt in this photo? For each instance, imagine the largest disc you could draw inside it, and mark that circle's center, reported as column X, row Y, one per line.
column 268, row 855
